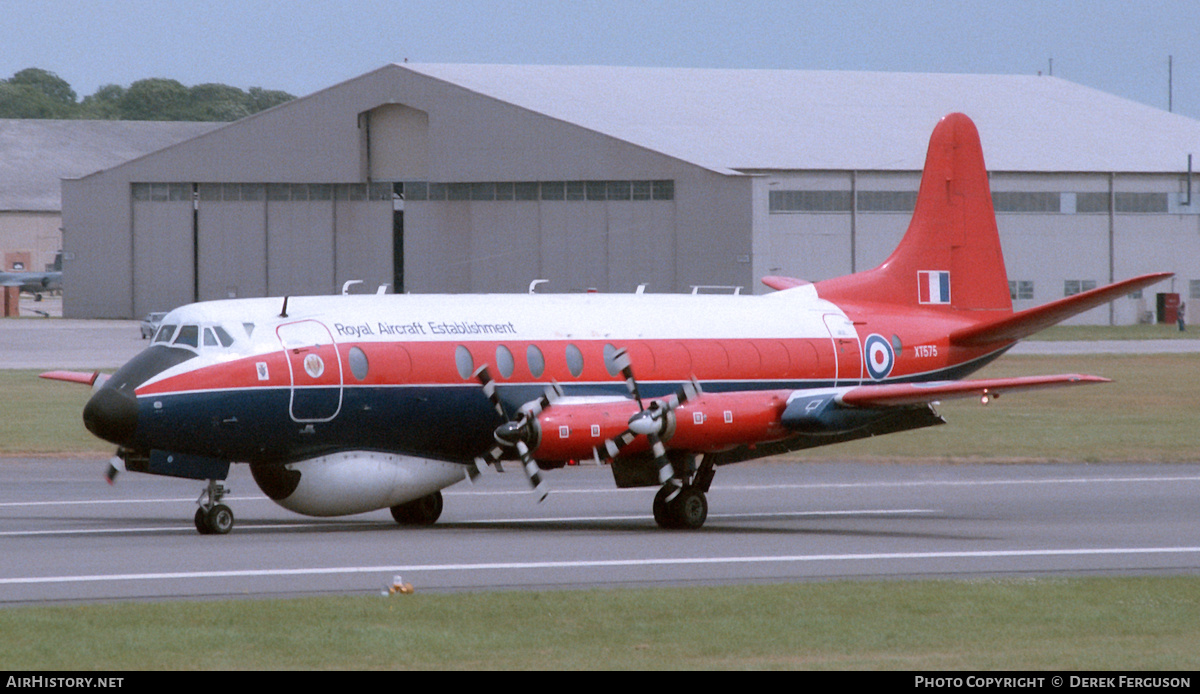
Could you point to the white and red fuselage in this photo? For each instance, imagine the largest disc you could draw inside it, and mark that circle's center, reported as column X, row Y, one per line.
column 395, row 373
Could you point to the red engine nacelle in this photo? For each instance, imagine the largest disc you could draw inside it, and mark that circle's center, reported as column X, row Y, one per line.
column 708, row 423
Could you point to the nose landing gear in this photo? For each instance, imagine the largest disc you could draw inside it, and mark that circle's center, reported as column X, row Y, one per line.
column 213, row 517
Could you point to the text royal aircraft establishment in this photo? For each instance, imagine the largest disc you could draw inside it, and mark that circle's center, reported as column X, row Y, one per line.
column 482, row 178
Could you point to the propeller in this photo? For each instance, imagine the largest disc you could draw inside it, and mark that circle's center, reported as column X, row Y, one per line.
column 520, row 432
column 651, row 421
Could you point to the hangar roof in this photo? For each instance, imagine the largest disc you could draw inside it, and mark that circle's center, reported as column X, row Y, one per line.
column 751, row 120
column 36, row 154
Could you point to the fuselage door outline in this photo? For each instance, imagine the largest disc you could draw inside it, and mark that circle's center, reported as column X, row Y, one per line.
column 847, row 350
column 315, row 370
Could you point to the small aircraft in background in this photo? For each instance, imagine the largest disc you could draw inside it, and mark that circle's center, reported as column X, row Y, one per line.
column 36, row 283
column 348, row 404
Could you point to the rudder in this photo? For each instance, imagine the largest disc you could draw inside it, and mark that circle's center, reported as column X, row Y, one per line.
column 950, row 257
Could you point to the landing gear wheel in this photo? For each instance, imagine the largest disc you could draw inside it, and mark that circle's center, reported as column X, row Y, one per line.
column 423, row 511
column 202, row 522
column 220, row 519
column 687, row 511
column 690, row 509
column 661, row 515
column 217, row 520
column 213, row 517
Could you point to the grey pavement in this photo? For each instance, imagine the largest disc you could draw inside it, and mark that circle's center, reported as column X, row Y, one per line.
column 56, row 343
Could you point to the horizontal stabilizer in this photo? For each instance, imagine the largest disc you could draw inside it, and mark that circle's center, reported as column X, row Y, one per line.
column 921, row 393
column 779, row 282
column 1028, row 322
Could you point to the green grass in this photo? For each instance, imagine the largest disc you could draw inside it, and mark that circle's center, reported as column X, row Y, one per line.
column 40, row 416
column 1087, row 623
column 1119, row 332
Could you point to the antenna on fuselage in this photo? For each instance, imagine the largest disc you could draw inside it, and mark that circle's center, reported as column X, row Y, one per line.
column 283, row 313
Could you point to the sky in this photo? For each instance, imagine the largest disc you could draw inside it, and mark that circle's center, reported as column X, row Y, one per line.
column 302, row 46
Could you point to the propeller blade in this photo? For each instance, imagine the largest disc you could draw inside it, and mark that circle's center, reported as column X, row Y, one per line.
column 516, row 432
column 622, row 362
column 115, row 467
column 550, row 396
column 532, row 471
column 665, row 470
column 482, row 463
column 489, row 389
column 613, row 446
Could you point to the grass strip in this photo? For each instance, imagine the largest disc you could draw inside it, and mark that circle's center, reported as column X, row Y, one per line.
column 1009, row 624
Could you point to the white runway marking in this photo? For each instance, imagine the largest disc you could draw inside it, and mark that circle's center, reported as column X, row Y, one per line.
column 594, row 564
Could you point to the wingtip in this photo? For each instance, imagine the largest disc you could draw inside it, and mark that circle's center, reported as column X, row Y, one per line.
column 83, row 377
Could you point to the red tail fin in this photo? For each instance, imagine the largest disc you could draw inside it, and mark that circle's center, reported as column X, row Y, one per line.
column 950, row 256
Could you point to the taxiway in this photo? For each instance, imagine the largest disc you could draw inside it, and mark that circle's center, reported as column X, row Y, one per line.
column 68, row 536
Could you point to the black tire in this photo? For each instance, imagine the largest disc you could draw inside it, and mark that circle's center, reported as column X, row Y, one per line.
column 689, row 510
column 662, row 513
column 219, row 519
column 202, row 522
column 423, row 511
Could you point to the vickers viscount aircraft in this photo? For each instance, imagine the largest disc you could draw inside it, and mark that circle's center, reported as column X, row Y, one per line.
column 348, row 404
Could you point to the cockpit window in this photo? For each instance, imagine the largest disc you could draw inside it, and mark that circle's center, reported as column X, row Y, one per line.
column 210, row 338
column 189, row 335
column 223, row 336
column 165, row 333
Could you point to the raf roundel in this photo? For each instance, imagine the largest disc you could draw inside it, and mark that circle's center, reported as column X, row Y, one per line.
column 880, row 357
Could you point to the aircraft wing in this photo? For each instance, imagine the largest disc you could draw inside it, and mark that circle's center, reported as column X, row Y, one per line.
column 920, row 393
column 87, row 378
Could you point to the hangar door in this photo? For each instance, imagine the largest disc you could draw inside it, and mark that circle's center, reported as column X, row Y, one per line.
column 199, row 242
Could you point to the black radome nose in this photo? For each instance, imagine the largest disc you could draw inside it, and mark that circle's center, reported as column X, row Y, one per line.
column 111, row 414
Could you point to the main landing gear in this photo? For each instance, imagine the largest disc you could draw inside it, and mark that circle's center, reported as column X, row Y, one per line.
column 680, row 508
column 213, row 517
column 681, row 504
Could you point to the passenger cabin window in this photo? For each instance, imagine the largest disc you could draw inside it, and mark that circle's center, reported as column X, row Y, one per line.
column 537, row 362
column 464, row 362
column 574, row 360
column 504, row 361
column 610, row 360
column 358, row 363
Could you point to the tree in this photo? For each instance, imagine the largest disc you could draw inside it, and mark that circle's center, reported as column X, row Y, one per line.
column 23, row 101
column 263, row 99
column 155, row 99
column 218, row 102
column 35, row 93
column 56, row 88
column 105, row 104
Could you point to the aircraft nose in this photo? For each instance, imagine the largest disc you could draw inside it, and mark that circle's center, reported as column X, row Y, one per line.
column 111, row 414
